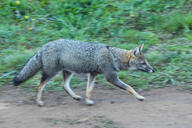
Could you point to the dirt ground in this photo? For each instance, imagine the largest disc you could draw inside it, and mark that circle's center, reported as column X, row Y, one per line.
column 163, row 108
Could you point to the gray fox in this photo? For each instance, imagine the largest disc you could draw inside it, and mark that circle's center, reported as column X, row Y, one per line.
column 71, row 56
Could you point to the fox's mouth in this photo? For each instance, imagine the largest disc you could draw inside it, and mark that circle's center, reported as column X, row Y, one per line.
column 147, row 70
column 144, row 70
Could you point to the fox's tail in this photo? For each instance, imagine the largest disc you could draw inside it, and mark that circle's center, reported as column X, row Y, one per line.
column 32, row 66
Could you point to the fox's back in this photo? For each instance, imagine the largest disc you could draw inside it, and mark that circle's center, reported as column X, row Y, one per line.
column 74, row 55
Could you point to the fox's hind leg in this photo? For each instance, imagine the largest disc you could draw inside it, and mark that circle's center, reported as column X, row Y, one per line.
column 90, row 86
column 67, row 77
column 45, row 78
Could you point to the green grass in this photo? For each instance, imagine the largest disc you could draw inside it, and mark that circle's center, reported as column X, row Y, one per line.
column 164, row 26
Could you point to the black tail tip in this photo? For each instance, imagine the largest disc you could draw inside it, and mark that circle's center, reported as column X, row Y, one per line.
column 16, row 82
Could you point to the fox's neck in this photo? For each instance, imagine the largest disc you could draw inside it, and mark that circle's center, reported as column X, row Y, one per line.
column 122, row 57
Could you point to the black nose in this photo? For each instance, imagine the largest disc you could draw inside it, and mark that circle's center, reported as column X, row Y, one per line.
column 153, row 70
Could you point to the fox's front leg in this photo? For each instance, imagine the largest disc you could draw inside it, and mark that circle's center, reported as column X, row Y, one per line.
column 112, row 77
column 90, row 86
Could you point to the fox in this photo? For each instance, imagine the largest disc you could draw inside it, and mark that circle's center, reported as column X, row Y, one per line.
column 72, row 56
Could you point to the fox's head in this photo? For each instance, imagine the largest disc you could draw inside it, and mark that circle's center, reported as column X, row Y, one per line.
column 137, row 60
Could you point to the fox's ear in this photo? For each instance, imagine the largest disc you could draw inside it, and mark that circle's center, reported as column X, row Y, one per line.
column 138, row 50
column 141, row 48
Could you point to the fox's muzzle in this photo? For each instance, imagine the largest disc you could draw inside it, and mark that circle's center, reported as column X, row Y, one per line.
column 147, row 70
column 151, row 70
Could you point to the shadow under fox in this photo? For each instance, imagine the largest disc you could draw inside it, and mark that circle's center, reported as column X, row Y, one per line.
column 71, row 56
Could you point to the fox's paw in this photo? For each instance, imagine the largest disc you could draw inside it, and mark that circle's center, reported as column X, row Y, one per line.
column 141, row 98
column 89, row 102
column 78, row 98
column 40, row 103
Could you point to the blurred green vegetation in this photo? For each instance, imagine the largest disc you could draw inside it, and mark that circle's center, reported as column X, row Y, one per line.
column 164, row 26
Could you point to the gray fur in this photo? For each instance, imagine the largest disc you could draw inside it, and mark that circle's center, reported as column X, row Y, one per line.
column 29, row 69
column 73, row 56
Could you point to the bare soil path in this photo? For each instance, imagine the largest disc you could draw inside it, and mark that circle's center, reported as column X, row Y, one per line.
column 163, row 108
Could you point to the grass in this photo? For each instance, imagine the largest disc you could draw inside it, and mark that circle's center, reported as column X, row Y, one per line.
column 164, row 26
